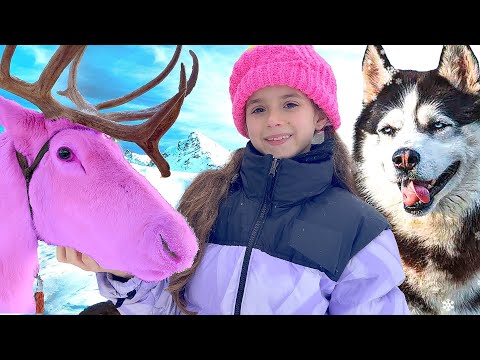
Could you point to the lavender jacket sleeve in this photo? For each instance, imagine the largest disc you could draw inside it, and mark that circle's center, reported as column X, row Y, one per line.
column 141, row 297
column 369, row 283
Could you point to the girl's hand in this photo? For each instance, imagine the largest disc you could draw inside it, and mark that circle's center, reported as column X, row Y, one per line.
column 85, row 262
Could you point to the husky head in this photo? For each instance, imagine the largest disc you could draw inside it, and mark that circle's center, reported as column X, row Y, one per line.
column 417, row 140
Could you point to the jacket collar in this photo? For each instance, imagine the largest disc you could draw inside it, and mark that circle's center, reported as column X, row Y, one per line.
column 296, row 179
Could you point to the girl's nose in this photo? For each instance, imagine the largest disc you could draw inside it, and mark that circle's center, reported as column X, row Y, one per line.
column 274, row 119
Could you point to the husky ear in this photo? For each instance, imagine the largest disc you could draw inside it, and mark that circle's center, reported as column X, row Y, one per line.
column 459, row 66
column 377, row 72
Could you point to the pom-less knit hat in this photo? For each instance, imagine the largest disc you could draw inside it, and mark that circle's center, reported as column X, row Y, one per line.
column 297, row 66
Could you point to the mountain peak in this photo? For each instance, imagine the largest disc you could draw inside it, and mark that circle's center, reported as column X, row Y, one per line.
column 138, row 159
column 196, row 153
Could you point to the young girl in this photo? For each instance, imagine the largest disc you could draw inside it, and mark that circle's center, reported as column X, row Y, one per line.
column 281, row 230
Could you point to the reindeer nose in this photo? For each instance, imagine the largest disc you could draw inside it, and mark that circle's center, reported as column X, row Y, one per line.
column 167, row 248
column 405, row 159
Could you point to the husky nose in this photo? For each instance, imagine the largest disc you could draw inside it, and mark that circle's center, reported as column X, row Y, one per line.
column 405, row 159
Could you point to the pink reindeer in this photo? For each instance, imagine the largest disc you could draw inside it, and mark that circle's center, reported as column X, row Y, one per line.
column 64, row 182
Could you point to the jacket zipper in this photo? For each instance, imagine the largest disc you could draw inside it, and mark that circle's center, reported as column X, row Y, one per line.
column 254, row 234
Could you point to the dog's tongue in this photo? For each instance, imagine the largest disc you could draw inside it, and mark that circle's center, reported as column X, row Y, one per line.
column 414, row 192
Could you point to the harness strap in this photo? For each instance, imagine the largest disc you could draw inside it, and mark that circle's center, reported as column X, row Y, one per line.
column 28, row 170
column 27, row 173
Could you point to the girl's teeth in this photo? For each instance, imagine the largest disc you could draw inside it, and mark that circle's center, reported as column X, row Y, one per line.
column 280, row 138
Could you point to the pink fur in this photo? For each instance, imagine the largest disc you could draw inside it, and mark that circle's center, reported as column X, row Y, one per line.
column 95, row 202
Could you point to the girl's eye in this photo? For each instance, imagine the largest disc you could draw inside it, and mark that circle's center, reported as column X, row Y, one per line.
column 291, row 105
column 64, row 153
column 257, row 111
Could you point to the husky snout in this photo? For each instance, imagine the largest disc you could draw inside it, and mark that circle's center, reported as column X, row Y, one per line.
column 405, row 159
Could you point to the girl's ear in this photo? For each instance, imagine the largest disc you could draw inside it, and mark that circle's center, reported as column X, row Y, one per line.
column 321, row 120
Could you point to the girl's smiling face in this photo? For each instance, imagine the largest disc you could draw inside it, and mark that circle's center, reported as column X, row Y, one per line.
column 281, row 121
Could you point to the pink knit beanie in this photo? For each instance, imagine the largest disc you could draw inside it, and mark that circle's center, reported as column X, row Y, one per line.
column 297, row 66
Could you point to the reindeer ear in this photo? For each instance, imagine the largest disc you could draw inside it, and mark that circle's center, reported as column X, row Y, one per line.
column 459, row 66
column 15, row 118
column 377, row 72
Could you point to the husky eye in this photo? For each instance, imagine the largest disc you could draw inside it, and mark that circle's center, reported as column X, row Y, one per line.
column 64, row 153
column 438, row 125
column 386, row 130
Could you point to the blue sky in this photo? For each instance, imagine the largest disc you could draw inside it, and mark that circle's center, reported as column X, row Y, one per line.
column 110, row 71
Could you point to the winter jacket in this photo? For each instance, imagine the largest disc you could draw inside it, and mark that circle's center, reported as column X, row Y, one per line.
column 289, row 239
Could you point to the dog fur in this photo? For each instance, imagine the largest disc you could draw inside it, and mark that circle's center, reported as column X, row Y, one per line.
column 417, row 127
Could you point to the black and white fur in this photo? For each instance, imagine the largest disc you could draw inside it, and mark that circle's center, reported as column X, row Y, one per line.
column 423, row 128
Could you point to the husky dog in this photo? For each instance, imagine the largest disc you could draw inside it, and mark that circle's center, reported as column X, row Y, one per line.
column 416, row 147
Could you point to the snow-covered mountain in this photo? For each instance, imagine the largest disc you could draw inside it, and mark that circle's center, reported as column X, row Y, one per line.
column 196, row 154
column 137, row 159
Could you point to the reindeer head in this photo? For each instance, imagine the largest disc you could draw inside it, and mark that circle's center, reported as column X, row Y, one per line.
column 66, row 182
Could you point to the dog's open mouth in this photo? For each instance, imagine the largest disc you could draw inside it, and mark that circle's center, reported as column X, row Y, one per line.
column 418, row 194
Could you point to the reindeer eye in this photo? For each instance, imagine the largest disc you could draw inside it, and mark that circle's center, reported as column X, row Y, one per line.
column 64, row 153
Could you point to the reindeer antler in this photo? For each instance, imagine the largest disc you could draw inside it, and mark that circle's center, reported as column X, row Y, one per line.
column 147, row 135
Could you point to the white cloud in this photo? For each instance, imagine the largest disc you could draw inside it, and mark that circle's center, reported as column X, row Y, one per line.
column 40, row 54
column 159, row 53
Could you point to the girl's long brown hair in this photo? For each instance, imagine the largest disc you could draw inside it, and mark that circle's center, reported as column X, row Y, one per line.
column 201, row 201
